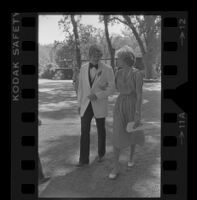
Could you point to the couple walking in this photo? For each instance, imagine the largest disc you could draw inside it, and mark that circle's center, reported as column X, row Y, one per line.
column 96, row 83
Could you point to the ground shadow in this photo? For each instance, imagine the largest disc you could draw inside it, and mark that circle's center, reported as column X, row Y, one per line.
column 69, row 113
column 61, row 153
column 68, row 181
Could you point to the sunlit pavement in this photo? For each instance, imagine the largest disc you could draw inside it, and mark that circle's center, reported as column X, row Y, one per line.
column 59, row 137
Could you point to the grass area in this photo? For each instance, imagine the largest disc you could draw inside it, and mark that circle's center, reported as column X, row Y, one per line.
column 59, row 137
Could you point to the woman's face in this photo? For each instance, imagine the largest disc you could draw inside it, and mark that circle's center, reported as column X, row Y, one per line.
column 120, row 63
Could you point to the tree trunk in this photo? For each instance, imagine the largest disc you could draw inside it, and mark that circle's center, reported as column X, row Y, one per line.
column 77, row 44
column 139, row 40
column 148, row 54
column 111, row 49
column 150, row 46
column 148, row 69
column 145, row 58
column 148, row 58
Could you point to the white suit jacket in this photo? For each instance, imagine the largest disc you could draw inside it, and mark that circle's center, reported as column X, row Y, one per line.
column 104, row 76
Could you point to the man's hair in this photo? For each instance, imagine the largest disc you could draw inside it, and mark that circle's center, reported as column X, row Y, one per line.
column 127, row 55
column 95, row 49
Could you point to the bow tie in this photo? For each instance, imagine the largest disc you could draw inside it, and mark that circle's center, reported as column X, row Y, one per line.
column 93, row 66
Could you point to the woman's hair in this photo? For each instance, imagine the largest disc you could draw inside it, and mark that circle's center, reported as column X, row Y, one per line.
column 95, row 49
column 126, row 54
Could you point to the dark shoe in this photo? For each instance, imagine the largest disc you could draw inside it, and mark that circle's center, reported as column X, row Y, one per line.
column 81, row 164
column 44, row 180
column 99, row 159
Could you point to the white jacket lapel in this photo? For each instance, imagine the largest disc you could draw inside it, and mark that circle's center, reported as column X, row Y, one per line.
column 86, row 76
column 97, row 78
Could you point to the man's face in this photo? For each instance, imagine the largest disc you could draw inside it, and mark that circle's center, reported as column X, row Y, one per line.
column 94, row 58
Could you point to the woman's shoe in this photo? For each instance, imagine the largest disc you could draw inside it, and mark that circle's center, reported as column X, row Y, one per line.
column 130, row 164
column 114, row 174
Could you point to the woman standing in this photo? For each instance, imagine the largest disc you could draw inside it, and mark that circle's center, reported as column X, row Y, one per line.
column 129, row 82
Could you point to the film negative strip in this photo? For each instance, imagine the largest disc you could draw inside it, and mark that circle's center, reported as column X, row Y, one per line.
column 24, row 105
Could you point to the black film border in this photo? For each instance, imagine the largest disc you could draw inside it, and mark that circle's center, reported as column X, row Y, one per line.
column 24, row 105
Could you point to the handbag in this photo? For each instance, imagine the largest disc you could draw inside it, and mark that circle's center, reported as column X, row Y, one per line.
column 142, row 126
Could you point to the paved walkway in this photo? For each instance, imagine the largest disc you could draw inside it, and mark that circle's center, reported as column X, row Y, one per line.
column 59, row 137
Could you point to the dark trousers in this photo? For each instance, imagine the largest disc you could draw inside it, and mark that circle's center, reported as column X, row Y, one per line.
column 85, row 135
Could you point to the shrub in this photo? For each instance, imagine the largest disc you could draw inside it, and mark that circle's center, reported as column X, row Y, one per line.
column 48, row 71
column 59, row 75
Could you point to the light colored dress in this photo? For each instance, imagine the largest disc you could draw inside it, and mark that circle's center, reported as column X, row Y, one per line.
column 124, row 109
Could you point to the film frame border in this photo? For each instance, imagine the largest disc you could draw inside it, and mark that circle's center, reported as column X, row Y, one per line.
column 24, row 105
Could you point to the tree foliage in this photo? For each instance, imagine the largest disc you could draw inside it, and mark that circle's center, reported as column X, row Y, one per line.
column 146, row 30
column 106, row 19
column 142, row 33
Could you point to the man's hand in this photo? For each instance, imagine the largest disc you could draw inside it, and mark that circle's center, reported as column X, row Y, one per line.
column 92, row 97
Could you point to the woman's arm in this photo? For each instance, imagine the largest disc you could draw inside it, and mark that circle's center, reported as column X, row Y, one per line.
column 139, row 84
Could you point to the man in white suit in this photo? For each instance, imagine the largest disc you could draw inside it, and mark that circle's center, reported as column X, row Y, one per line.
column 96, row 83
